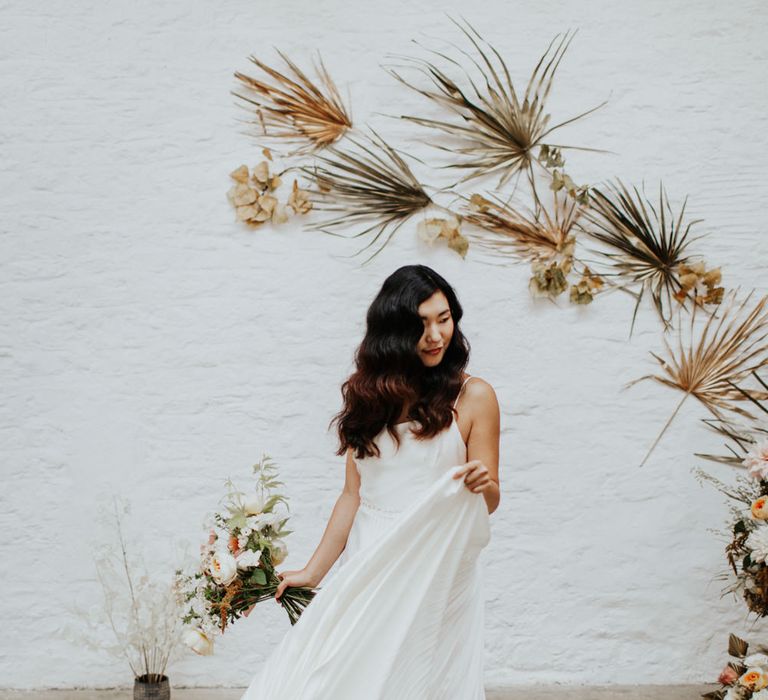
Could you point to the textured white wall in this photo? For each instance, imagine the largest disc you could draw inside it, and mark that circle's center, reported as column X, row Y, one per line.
column 151, row 346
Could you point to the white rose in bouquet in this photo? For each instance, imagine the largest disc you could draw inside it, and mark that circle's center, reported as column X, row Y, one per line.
column 198, row 641
column 758, row 543
column 253, row 503
column 248, row 558
column 263, row 519
column 756, row 460
column 756, row 660
column 223, row 567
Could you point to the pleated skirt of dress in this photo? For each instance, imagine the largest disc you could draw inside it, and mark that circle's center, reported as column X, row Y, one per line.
column 401, row 617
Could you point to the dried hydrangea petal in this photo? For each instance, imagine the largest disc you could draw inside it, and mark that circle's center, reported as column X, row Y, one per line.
column 240, row 174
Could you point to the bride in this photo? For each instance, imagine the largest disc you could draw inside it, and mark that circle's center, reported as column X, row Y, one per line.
column 401, row 615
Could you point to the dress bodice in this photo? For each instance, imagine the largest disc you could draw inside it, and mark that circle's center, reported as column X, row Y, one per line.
column 400, row 474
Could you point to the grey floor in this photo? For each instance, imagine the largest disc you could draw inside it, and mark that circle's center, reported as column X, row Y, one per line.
column 616, row 692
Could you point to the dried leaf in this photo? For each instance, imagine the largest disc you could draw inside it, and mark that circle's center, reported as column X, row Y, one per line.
column 280, row 214
column 260, row 174
column 709, row 367
column 247, row 213
column 294, row 109
column 497, row 129
column 240, row 174
column 544, row 235
column 644, row 246
column 429, row 229
column 243, row 194
column 459, row 243
column 371, row 183
column 299, row 199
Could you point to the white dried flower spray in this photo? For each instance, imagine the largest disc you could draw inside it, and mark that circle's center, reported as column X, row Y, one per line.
column 140, row 612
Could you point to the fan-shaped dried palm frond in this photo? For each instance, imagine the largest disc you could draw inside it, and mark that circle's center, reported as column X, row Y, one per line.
column 374, row 183
column 294, row 108
column 528, row 237
column 710, row 366
column 500, row 131
column 741, row 438
column 646, row 246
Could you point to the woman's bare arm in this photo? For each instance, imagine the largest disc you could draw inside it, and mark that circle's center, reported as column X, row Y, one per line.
column 334, row 539
column 482, row 471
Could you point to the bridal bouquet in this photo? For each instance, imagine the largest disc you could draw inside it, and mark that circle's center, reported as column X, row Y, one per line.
column 747, row 552
column 746, row 678
column 237, row 562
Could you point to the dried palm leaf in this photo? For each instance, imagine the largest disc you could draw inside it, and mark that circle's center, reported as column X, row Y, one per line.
column 545, row 239
column 709, row 367
column 294, row 108
column 525, row 236
column 741, row 438
column 499, row 130
column 372, row 183
column 646, row 247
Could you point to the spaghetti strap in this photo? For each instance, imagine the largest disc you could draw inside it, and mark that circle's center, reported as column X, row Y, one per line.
column 456, row 400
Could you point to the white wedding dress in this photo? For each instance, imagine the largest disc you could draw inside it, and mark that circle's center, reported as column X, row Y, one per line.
column 401, row 617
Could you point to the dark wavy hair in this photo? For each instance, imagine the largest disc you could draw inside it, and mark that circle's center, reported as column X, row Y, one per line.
column 389, row 373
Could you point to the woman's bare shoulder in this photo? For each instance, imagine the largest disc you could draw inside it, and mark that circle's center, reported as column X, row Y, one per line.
column 481, row 394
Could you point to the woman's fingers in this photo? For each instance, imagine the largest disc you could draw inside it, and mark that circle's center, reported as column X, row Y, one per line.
column 481, row 485
column 281, row 586
column 468, row 467
column 475, row 477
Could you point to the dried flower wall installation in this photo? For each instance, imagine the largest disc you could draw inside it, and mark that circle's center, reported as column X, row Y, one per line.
column 371, row 183
column 292, row 108
column 646, row 246
column 498, row 131
column 709, row 366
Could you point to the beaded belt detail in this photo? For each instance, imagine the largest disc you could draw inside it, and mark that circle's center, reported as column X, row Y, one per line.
column 367, row 504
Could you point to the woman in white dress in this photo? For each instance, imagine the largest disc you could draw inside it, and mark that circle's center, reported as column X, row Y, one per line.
column 401, row 616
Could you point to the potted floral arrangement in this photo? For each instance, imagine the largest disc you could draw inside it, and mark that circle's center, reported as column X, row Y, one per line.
column 141, row 612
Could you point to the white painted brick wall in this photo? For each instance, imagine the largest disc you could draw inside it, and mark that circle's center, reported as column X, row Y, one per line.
column 151, row 346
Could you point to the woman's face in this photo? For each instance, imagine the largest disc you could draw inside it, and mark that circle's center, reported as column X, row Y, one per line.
column 438, row 329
